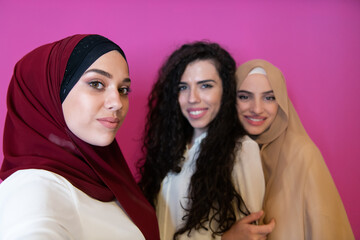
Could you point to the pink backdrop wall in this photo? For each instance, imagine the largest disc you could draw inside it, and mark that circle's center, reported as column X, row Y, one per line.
column 315, row 43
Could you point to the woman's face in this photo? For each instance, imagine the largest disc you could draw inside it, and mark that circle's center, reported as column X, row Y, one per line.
column 256, row 104
column 98, row 103
column 200, row 92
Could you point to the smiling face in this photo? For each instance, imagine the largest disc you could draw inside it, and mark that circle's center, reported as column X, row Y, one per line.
column 98, row 103
column 256, row 104
column 200, row 92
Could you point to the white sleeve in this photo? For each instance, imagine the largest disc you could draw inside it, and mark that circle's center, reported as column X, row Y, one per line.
column 248, row 175
column 36, row 205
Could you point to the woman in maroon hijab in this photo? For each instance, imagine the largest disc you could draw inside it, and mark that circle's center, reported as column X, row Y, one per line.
column 64, row 174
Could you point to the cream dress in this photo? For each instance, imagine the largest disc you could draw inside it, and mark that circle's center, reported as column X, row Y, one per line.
column 248, row 180
column 38, row 204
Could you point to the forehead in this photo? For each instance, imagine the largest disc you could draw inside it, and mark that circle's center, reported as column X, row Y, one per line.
column 200, row 70
column 113, row 61
column 255, row 83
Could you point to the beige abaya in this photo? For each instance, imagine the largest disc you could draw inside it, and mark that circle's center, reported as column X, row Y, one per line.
column 300, row 193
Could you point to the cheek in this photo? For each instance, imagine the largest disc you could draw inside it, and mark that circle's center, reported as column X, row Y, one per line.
column 78, row 115
column 241, row 107
column 182, row 101
column 125, row 107
column 274, row 109
column 85, row 109
column 214, row 98
column 72, row 109
column 84, row 105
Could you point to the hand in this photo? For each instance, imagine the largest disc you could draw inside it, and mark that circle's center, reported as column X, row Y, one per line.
column 244, row 230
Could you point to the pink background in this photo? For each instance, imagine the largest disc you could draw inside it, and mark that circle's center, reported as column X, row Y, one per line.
column 315, row 43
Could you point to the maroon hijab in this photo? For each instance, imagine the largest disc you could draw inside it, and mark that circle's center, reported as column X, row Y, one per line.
column 36, row 137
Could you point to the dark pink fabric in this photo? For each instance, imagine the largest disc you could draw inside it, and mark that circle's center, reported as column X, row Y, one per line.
column 36, row 136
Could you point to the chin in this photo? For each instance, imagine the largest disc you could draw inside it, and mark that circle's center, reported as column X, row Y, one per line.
column 254, row 132
column 103, row 143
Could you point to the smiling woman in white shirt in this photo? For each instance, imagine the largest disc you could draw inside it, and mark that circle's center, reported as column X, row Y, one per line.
column 64, row 174
column 201, row 172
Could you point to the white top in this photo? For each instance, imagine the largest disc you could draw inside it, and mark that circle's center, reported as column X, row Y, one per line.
column 248, row 180
column 39, row 204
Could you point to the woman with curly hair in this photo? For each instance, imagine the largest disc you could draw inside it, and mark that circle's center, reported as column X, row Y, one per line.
column 201, row 172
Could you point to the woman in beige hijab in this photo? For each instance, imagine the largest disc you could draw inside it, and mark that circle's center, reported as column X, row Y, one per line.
column 300, row 193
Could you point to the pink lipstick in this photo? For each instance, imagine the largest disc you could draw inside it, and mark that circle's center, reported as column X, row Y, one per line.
column 255, row 120
column 109, row 122
column 196, row 113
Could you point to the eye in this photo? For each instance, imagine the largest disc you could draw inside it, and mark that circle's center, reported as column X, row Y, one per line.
column 182, row 88
column 96, row 84
column 270, row 98
column 206, row 85
column 124, row 90
column 243, row 97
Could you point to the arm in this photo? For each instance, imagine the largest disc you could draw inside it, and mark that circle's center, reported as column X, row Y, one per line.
column 248, row 178
column 248, row 175
column 35, row 205
column 243, row 229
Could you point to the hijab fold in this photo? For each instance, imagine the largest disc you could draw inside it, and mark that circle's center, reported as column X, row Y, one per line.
column 36, row 135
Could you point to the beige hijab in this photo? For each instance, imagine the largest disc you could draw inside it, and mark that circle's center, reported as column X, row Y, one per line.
column 300, row 193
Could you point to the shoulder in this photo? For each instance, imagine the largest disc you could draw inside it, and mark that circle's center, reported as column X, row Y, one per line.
column 34, row 191
column 247, row 152
column 33, row 181
column 298, row 150
column 36, row 188
column 246, row 145
column 246, row 139
column 35, row 198
column 302, row 154
column 301, row 145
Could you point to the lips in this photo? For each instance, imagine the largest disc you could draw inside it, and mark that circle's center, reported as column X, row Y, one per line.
column 196, row 113
column 255, row 120
column 109, row 122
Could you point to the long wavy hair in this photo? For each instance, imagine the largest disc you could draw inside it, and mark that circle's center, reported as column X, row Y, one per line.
column 167, row 132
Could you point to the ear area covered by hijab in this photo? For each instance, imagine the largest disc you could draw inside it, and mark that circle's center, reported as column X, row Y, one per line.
column 36, row 135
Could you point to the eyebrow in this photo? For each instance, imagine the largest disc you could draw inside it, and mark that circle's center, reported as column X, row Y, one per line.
column 243, row 91
column 101, row 72
column 200, row 82
column 104, row 73
column 205, row 81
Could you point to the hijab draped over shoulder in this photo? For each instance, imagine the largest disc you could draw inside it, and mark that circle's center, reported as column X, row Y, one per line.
column 300, row 193
column 36, row 136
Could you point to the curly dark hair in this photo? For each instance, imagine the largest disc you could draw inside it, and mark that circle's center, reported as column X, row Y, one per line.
column 167, row 132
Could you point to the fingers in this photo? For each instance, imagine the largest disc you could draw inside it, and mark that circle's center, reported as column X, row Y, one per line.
column 266, row 228
column 252, row 217
column 243, row 229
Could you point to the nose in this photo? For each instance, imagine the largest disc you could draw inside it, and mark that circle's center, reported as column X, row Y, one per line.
column 257, row 106
column 113, row 100
column 194, row 96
